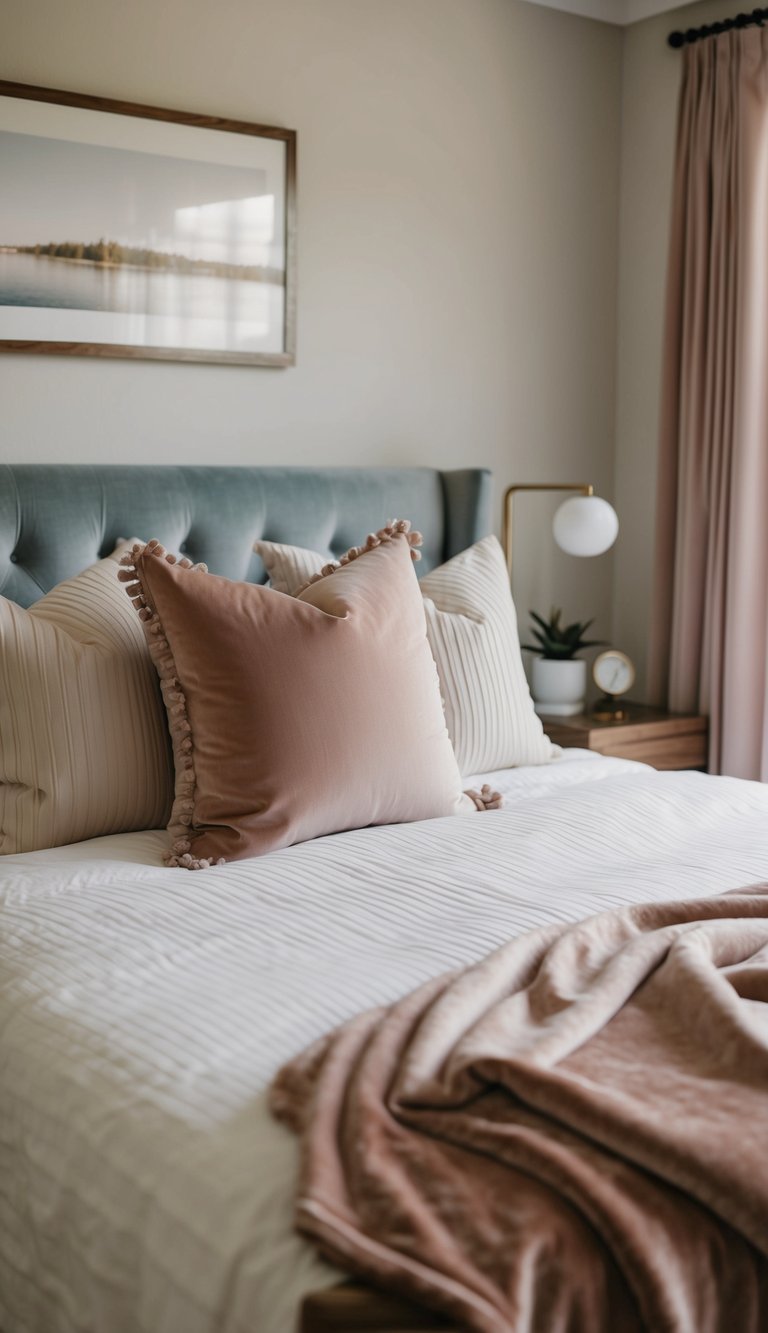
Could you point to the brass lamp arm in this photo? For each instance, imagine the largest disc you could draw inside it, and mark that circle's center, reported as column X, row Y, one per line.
column 509, row 496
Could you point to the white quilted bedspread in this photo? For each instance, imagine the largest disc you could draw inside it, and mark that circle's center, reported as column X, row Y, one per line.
column 143, row 1187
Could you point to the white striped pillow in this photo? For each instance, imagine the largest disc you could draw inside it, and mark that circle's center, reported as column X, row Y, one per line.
column 472, row 630
column 84, row 746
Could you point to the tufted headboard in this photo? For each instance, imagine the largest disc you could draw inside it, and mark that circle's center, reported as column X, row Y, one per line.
column 56, row 519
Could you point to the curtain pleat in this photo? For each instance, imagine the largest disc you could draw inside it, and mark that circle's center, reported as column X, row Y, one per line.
column 709, row 648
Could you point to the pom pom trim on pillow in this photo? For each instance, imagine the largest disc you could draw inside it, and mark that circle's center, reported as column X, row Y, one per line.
column 175, row 701
column 397, row 527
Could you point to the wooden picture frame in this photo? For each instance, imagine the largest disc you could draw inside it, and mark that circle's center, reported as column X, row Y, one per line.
column 139, row 231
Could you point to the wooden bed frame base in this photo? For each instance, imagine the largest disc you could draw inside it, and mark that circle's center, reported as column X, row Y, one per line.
column 354, row 1308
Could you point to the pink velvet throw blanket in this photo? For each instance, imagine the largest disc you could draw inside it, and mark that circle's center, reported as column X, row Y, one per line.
column 570, row 1136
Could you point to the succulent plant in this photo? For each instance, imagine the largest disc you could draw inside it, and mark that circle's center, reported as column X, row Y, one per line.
column 559, row 642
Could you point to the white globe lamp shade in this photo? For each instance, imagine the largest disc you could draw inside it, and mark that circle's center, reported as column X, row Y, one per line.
column 585, row 525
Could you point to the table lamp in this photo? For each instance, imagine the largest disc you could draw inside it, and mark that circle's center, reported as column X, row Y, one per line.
column 584, row 525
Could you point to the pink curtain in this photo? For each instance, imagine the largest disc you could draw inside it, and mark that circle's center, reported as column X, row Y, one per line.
column 709, row 649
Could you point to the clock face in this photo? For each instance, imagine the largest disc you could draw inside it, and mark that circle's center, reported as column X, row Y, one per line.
column 613, row 672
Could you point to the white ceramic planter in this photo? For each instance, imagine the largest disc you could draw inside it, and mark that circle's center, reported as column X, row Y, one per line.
column 559, row 687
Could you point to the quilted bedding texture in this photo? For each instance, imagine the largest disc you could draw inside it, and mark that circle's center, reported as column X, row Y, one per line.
column 143, row 1186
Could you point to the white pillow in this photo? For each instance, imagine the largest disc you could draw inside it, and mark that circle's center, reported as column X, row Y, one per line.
column 84, row 747
column 472, row 631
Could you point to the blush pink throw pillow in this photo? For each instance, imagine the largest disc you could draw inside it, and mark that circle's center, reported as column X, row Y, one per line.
column 296, row 717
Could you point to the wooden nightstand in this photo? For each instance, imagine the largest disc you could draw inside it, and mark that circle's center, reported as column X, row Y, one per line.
column 665, row 740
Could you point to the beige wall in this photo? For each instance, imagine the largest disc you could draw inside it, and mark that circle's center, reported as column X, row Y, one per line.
column 458, row 190
column 651, row 75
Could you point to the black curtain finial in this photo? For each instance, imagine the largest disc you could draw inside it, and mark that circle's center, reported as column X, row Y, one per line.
column 743, row 20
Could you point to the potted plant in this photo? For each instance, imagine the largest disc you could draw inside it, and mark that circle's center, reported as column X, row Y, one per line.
column 559, row 677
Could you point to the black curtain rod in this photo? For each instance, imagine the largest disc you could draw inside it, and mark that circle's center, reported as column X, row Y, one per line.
column 678, row 39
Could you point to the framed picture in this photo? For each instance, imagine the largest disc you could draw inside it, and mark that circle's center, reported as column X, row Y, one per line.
column 134, row 231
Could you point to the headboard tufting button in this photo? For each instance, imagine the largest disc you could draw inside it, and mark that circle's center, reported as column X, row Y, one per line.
column 14, row 558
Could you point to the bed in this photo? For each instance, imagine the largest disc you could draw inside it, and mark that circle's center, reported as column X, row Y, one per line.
column 143, row 1011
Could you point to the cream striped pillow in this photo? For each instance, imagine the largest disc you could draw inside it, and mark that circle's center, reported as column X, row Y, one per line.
column 472, row 630
column 84, row 746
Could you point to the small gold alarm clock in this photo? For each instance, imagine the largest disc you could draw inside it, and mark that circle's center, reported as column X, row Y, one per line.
column 613, row 673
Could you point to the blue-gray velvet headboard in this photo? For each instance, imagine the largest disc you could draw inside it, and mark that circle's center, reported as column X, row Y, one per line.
column 56, row 519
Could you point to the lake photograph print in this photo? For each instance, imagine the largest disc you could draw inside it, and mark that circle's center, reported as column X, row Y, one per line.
column 113, row 245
